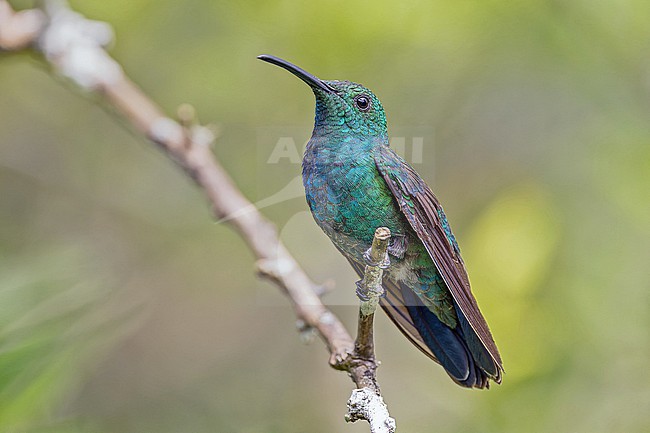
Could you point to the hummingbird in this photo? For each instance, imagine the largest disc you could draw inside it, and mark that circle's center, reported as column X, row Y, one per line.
column 354, row 183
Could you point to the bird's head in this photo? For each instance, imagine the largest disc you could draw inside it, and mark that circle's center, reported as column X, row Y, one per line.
column 341, row 106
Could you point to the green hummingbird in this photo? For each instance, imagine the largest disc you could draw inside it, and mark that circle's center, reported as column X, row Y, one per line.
column 354, row 183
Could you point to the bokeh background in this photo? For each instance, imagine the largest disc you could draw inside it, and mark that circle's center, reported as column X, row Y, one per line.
column 124, row 308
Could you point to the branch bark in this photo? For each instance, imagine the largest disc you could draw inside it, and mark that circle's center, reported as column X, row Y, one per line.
column 75, row 47
column 366, row 403
column 18, row 29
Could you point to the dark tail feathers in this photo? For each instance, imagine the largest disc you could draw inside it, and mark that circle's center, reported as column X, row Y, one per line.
column 465, row 359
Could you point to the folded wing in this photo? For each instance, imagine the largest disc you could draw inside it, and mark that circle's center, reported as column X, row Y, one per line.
column 424, row 213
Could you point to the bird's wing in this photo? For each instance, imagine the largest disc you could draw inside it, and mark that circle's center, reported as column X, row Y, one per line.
column 424, row 213
column 444, row 345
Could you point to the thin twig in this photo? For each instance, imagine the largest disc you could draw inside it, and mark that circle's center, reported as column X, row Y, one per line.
column 366, row 402
column 74, row 47
column 361, row 363
column 371, row 285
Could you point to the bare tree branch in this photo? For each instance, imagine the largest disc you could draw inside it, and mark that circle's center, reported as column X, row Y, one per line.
column 366, row 403
column 18, row 29
column 74, row 47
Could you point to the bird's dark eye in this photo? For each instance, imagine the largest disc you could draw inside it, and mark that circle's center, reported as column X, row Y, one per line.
column 363, row 102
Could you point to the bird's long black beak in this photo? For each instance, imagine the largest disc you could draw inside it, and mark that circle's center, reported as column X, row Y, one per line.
column 313, row 81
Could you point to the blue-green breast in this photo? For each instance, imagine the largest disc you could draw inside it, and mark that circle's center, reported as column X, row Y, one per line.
column 347, row 196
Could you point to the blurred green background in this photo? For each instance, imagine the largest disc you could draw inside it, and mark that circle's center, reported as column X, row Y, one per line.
column 123, row 308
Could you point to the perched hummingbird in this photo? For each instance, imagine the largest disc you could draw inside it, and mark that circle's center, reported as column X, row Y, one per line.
column 355, row 183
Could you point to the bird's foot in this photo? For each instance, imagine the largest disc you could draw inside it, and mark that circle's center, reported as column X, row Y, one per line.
column 362, row 291
column 364, row 294
column 384, row 264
